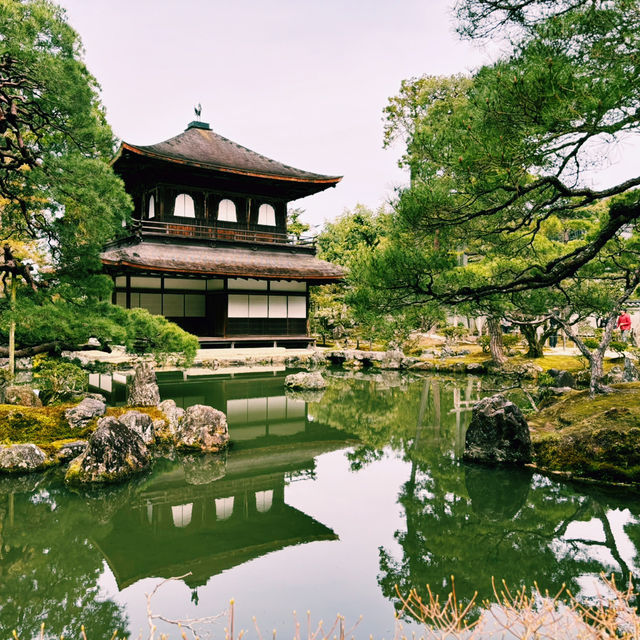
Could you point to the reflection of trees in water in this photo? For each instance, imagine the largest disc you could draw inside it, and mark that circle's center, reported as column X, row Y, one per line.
column 48, row 569
column 391, row 410
column 500, row 523
column 470, row 521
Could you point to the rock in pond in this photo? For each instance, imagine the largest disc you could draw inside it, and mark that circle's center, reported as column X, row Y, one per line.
column 141, row 423
column 143, row 389
column 203, row 428
column 312, row 380
column 79, row 416
column 22, row 395
column 22, row 458
column 114, row 453
column 498, row 433
column 174, row 415
column 304, row 395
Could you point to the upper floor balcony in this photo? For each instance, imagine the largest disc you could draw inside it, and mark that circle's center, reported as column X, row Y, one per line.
column 186, row 229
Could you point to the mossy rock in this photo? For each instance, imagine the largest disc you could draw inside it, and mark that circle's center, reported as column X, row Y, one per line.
column 597, row 437
column 153, row 412
column 48, row 428
column 43, row 426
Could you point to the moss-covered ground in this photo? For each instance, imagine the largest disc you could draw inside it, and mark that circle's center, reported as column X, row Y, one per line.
column 591, row 437
column 549, row 361
column 47, row 427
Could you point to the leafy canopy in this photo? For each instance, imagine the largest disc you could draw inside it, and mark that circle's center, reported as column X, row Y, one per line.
column 56, row 185
column 497, row 158
column 59, row 198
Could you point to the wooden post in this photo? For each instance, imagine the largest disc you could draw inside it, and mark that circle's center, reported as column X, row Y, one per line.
column 12, row 329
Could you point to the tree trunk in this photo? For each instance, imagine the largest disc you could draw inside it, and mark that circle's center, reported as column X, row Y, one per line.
column 12, row 329
column 595, row 356
column 47, row 347
column 495, row 341
column 534, row 342
column 597, row 373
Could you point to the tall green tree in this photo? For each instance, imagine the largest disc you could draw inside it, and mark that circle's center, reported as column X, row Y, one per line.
column 349, row 241
column 56, row 184
column 295, row 226
column 492, row 161
column 496, row 158
column 58, row 191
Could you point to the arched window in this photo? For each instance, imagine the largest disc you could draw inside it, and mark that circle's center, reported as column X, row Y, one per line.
column 152, row 207
column 227, row 211
column 184, row 206
column 267, row 215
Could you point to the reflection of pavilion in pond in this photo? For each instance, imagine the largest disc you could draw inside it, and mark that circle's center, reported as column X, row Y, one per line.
column 208, row 514
column 255, row 404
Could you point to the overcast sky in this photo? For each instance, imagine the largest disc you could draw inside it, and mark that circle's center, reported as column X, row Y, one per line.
column 301, row 81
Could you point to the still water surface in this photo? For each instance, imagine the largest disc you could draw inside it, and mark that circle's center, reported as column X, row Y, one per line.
column 324, row 503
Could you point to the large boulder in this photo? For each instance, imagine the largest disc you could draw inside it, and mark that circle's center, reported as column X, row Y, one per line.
column 614, row 376
column 22, row 395
column 141, row 423
column 79, row 416
column 203, row 428
column 498, row 433
column 305, row 380
column 174, row 415
column 563, row 378
column 631, row 373
column 114, row 453
column 143, row 390
column 393, row 359
column 22, row 458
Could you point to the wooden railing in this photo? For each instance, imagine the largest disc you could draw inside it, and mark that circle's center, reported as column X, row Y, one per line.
column 209, row 232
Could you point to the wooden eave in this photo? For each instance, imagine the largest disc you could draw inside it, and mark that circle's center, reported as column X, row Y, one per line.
column 212, row 262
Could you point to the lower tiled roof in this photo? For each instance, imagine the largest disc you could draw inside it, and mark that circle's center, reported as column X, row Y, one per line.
column 222, row 261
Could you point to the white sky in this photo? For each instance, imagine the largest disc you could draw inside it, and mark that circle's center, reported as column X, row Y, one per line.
column 303, row 82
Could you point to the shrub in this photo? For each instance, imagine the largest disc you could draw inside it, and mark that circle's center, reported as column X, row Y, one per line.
column 618, row 346
column 546, row 380
column 451, row 332
column 58, row 380
column 146, row 333
column 509, row 340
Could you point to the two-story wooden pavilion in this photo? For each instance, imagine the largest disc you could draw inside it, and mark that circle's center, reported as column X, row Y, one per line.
column 209, row 248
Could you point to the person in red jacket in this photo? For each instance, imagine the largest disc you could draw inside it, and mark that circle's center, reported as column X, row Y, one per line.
column 624, row 324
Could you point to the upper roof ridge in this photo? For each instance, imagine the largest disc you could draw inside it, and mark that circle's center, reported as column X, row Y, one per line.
column 200, row 146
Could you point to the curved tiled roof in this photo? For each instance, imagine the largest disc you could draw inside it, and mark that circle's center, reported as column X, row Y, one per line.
column 222, row 261
column 200, row 147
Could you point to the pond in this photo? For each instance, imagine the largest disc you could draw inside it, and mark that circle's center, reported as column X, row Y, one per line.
column 324, row 503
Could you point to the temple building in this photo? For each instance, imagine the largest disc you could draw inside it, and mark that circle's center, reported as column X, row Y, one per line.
column 208, row 246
